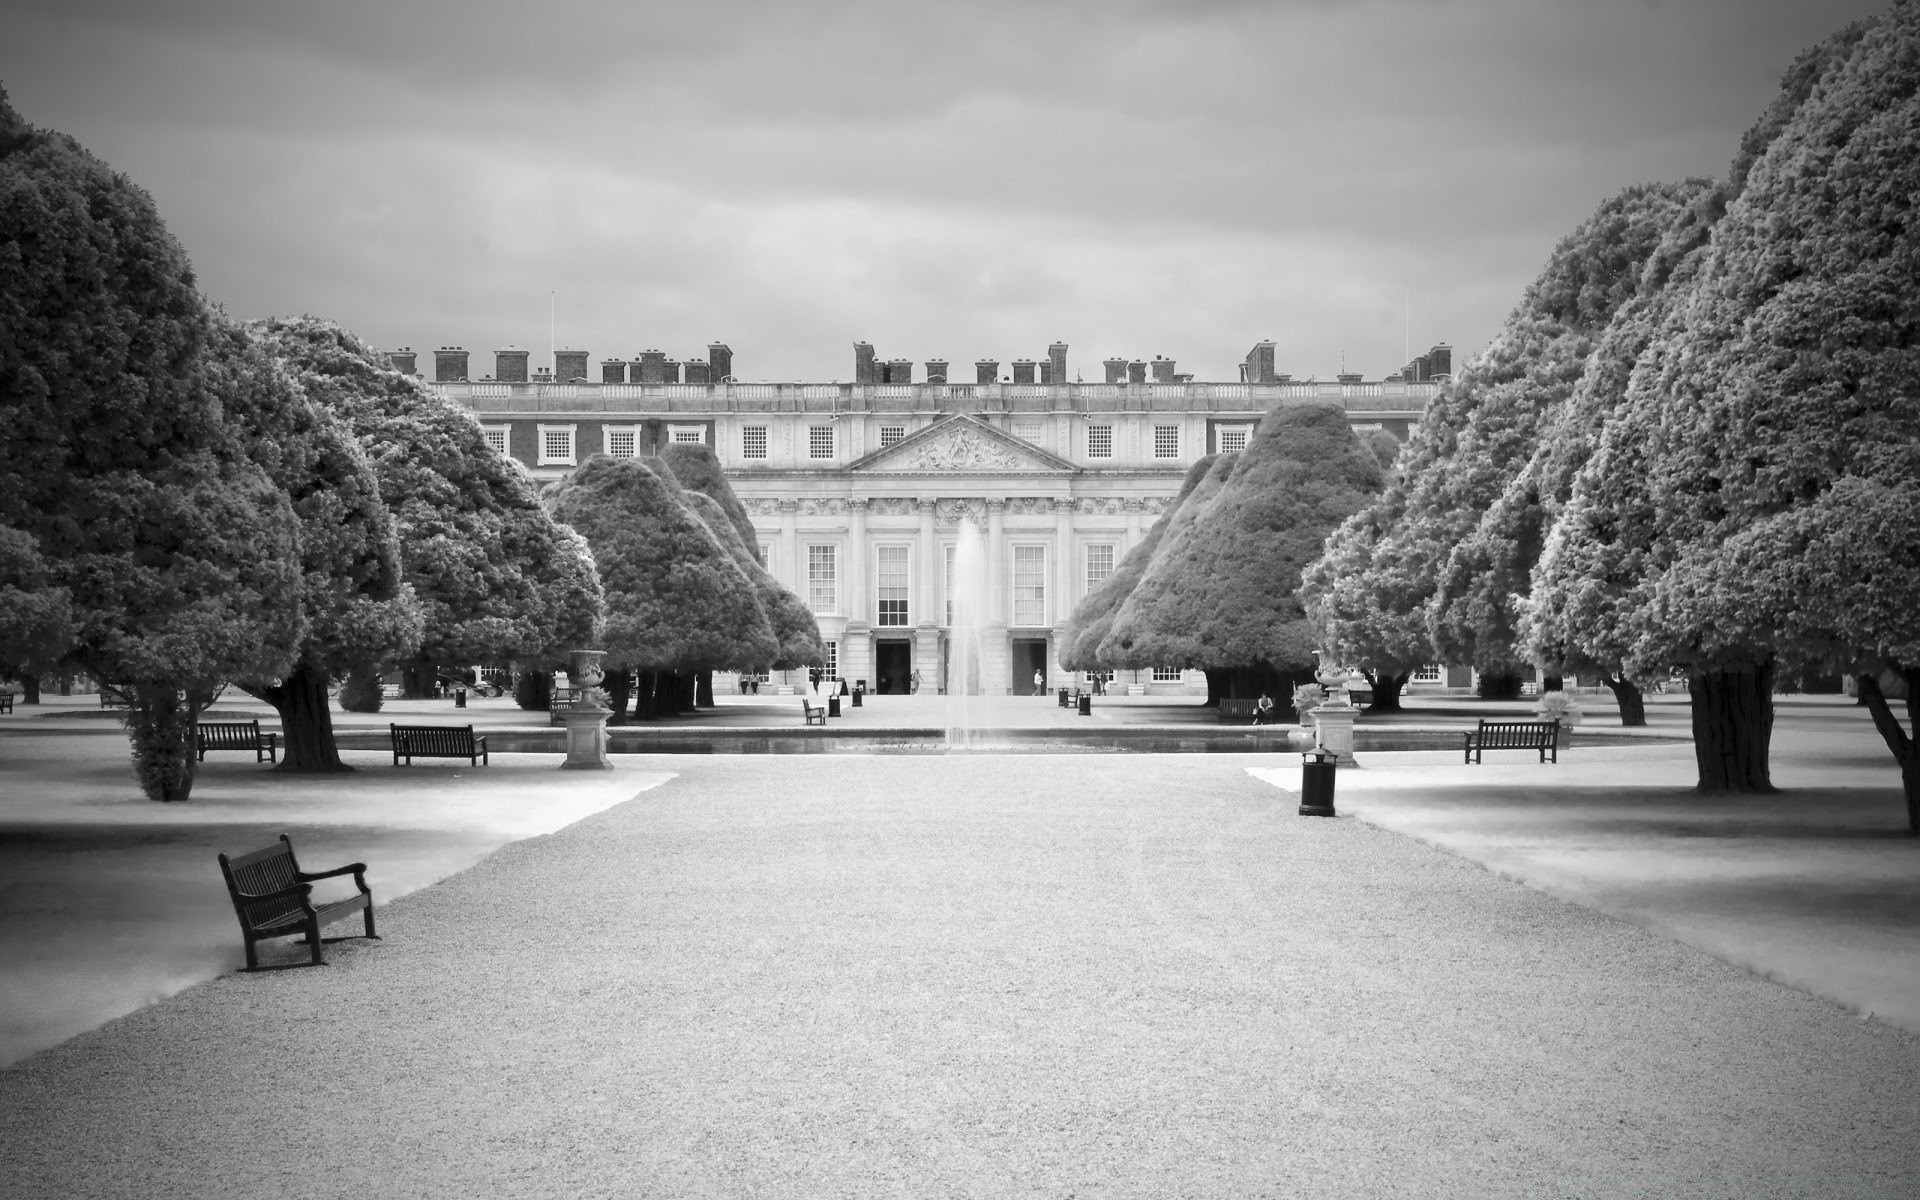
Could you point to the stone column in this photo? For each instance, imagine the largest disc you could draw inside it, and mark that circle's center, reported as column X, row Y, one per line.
column 795, row 569
column 1133, row 510
column 996, row 651
column 856, row 649
column 1063, row 562
column 931, row 600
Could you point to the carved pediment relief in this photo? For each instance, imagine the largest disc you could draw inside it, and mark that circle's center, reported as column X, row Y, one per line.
column 961, row 445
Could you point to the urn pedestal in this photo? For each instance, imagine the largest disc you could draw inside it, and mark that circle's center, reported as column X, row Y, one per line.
column 586, row 717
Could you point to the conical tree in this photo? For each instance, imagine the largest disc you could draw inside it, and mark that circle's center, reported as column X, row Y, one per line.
column 1093, row 616
column 496, row 579
column 678, row 600
column 1222, row 592
column 135, row 503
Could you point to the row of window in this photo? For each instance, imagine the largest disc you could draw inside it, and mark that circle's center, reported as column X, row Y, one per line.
column 557, row 442
column 893, row 574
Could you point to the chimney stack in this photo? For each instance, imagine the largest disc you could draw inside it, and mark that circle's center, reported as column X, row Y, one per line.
column 510, row 365
column 1057, row 362
column 449, row 365
column 986, row 370
column 698, row 372
column 936, row 370
column 402, row 360
column 1348, row 377
column 1023, row 370
column 1259, row 367
column 1439, row 360
column 569, row 365
column 653, row 366
column 720, row 359
column 1116, row 370
column 899, row 370
column 1137, row 371
column 863, row 372
column 613, row 370
column 669, row 371
column 1162, row 369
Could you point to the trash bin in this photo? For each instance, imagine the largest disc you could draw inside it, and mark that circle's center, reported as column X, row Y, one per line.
column 857, row 693
column 833, row 705
column 1063, row 698
column 459, row 697
column 1086, row 705
column 1316, row 782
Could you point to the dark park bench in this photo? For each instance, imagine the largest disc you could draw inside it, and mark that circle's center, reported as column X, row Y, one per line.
column 1237, row 712
column 814, row 714
column 1543, row 736
column 437, row 741
column 235, row 735
column 113, row 697
column 273, row 898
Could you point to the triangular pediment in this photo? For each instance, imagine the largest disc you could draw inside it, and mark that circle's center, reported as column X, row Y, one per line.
column 961, row 445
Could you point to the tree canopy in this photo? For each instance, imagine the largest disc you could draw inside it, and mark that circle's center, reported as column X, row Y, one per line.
column 148, row 536
column 495, row 577
column 1222, row 590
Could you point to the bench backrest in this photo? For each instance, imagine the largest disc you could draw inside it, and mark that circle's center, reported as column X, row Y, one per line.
column 229, row 735
column 433, row 739
column 1496, row 735
column 265, row 870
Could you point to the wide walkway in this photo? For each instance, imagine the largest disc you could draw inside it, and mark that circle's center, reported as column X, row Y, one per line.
column 1107, row 975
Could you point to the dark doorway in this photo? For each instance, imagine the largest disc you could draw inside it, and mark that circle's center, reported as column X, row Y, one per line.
column 893, row 668
column 1029, row 658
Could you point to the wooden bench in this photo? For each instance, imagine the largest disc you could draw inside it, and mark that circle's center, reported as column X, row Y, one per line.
column 273, row 898
column 437, row 741
column 1543, row 736
column 235, row 735
column 814, row 714
column 1238, row 712
column 112, row 697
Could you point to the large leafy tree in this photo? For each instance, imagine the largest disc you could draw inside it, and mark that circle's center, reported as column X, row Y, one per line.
column 143, row 532
column 678, row 600
column 357, row 609
column 794, row 626
column 1222, row 591
column 495, row 577
column 1568, row 349
column 1091, row 619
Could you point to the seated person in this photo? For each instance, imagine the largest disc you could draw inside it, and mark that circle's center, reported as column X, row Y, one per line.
column 1263, row 711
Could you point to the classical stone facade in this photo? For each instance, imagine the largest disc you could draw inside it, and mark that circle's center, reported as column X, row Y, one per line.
column 857, row 490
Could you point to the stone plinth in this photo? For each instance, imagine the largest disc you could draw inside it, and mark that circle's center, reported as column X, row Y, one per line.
column 586, row 738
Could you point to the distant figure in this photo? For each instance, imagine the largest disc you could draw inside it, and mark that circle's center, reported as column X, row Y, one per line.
column 1263, row 711
column 1039, row 684
column 813, row 678
column 914, row 680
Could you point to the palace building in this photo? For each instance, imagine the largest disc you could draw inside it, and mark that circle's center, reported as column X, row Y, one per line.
column 857, row 489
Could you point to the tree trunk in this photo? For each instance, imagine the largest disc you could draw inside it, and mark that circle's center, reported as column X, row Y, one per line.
column 1387, row 688
column 703, row 690
column 1498, row 684
column 684, row 683
column 1633, row 706
column 30, row 688
column 1217, row 684
column 1732, row 728
column 1905, row 752
column 160, row 726
column 306, row 724
column 417, row 682
column 619, row 685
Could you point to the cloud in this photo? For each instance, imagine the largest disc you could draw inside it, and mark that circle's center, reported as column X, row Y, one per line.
column 967, row 179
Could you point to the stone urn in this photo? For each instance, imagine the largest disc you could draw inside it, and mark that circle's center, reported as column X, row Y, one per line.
column 1333, row 720
column 586, row 717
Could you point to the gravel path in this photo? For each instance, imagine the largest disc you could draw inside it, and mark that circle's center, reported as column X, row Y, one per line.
column 976, row 976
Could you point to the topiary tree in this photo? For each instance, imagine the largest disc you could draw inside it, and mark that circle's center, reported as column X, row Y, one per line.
column 174, row 555
column 677, row 599
column 495, row 577
column 1751, row 504
column 795, row 628
column 1222, row 591
column 1093, row 616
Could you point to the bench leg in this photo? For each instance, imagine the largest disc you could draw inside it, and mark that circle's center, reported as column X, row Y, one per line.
column 253, row 957
column 369, row 916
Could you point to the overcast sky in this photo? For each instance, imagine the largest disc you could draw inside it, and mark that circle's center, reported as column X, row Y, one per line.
column 958, row 180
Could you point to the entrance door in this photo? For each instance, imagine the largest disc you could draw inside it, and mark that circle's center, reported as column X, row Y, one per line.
column 1029, row 658
column 893, row 668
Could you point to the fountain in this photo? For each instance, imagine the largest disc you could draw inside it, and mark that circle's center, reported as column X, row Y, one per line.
column 966, row 642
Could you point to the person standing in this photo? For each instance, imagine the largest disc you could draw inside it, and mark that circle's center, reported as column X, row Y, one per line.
column 915, row 678
column 1039, row 684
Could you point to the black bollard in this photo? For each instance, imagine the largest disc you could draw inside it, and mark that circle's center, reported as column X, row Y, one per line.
column 1086, row 705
